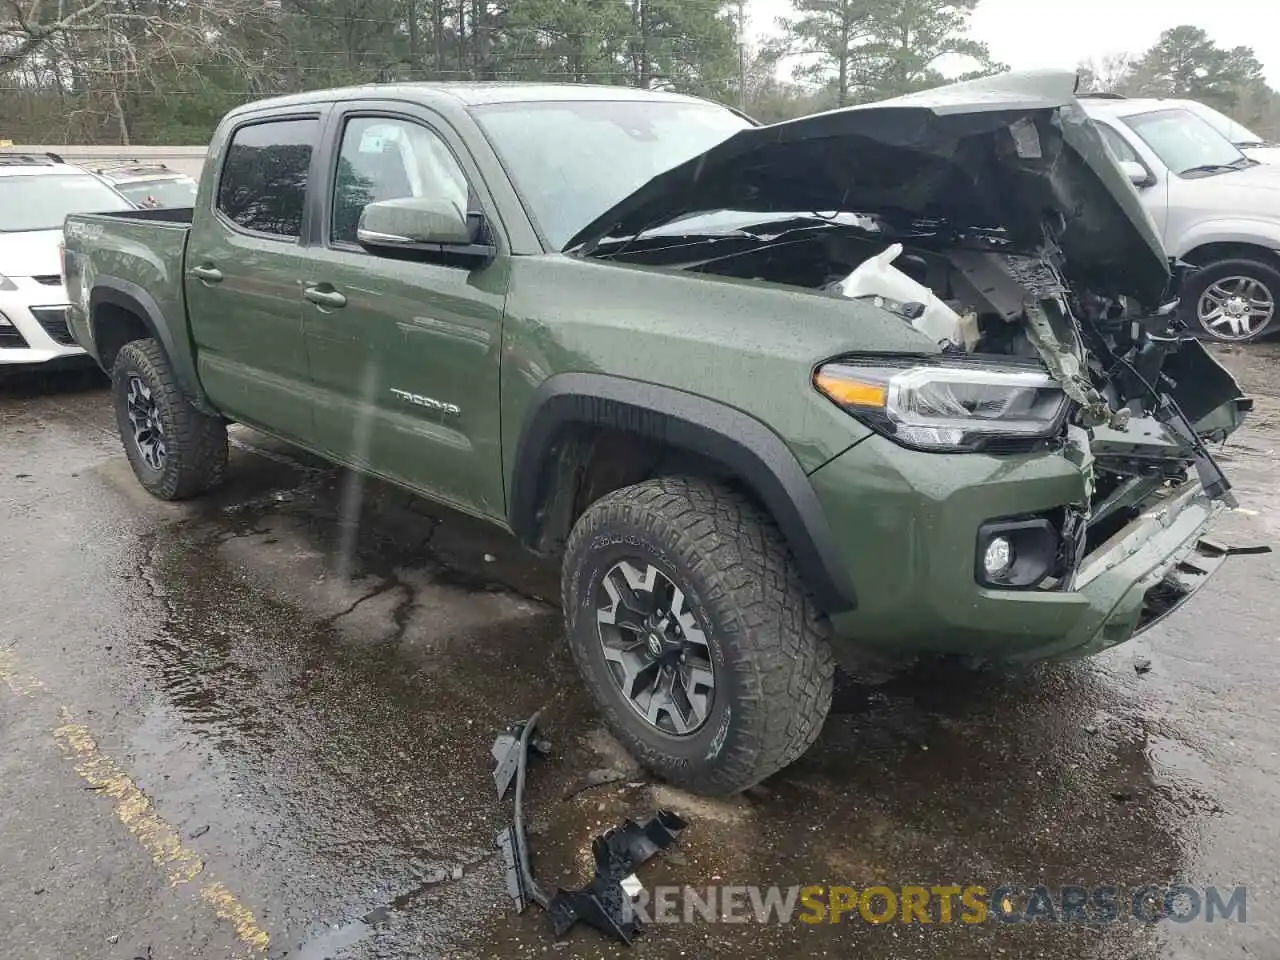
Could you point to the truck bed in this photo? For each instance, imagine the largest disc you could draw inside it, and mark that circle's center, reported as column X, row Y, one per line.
column 167, row 215
column 140, row 256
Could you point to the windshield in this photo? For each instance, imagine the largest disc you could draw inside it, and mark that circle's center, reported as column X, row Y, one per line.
column 1184, row 142
column 161, row 193
column 572, row 161
column 1237, row 133
column 43, row 202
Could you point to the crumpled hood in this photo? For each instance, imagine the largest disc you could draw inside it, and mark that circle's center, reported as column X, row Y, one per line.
column 30, row 253
column 1014, row 152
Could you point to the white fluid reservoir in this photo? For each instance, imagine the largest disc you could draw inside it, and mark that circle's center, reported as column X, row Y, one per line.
column 878, row 277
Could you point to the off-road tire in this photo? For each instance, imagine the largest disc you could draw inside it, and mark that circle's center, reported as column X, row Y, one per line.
column 1265, row 273
column 195, row 443
column 767, row 640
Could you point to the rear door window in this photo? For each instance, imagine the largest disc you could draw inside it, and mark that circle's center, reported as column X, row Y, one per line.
column 263, row 187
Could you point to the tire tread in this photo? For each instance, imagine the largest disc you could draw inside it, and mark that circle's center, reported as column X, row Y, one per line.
column 195, row 443
column 745, row 570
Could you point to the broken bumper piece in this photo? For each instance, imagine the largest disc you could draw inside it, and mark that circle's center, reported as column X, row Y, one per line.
column 605, row 903
column 1182, row 582
column 507, row 752
column 511, row 753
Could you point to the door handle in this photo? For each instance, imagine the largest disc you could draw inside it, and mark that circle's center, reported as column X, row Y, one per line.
column 207, row 274
column 325, row 298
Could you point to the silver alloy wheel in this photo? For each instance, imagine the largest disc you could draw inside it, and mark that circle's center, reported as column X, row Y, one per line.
column 1236, row 308
column 148, row 432
column 655, row 649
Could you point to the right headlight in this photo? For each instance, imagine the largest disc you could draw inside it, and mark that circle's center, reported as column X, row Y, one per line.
column 946, row 406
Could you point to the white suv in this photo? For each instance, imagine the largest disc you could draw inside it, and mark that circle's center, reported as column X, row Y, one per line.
column 1249, row 142
column 1212, row 205
column 37, row 191
column 148, row 186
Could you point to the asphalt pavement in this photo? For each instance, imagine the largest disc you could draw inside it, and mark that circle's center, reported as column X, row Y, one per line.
column 258, row 725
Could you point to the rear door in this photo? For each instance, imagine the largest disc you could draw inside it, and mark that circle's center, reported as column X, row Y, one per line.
column 404, row 352
column 244, row 270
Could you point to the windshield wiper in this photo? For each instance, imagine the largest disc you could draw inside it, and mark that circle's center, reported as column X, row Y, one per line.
column 758, row 230
column 616, row 248
column 1219, row 167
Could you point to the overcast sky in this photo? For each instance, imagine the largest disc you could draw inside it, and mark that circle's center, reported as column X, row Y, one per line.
column 1055, row 33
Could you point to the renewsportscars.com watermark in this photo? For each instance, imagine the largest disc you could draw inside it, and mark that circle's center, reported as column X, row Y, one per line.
column 944, row 904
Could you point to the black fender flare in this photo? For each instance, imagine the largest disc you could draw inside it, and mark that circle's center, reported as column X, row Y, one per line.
column 129, row 296
column 739, row 442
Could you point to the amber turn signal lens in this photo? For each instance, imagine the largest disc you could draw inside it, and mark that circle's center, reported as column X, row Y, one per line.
column 852, row 393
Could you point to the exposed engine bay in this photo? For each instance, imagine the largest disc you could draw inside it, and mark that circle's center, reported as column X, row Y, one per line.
column 992, row 218
column 1147, row 400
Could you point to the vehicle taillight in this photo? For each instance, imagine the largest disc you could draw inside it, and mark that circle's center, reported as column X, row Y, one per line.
column 62, row 259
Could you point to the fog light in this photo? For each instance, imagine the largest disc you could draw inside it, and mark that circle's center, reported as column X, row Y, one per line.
column 1015, row 554
column 998, row 558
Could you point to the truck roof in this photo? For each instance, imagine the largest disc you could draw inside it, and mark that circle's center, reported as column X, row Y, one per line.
column 26, row 164
column 1129, row 106
column 467, row 94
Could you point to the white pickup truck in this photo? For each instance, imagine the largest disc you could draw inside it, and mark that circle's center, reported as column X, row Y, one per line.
column 1213, row 206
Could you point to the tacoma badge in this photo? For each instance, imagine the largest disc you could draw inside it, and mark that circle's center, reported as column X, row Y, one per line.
column 431, row 403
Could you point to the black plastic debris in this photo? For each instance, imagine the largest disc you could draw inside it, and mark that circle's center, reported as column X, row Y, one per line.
column 512, row 848
column 603, row 903
column 511, row 752
column 506, row 752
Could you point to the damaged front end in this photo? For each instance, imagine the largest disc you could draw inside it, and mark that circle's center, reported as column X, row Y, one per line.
column 1117, row 390
column 1146, row 402
column 991, row 217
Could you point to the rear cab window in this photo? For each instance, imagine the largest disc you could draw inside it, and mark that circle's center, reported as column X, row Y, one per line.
column 263, row 186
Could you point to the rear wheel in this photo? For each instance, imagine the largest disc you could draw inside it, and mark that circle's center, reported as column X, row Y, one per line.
column 694, row 633
column 175, row 450
column 1234, row 301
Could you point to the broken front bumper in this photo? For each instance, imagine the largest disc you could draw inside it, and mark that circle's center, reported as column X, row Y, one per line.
column 908, row 521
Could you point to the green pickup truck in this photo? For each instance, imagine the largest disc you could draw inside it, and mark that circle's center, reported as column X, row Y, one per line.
column 889, row 381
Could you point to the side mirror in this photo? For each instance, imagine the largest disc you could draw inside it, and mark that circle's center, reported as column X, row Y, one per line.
column 413, row 222
column 1138, row 174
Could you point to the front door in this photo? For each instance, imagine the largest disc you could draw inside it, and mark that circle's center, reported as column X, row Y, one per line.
column 1154, row 195
column 243, row 276
column 404, row 352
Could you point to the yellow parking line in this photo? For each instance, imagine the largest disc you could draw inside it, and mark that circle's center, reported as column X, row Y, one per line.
column 134, row 810
column 228, row 907
column 18, row 682
column 133, row 807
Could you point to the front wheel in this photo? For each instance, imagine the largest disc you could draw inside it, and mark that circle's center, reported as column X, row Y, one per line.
column 694, row 634
column 175, row 450
column 1233, row 301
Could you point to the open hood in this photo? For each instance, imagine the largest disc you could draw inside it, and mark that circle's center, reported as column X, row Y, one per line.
column 1013, row 153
